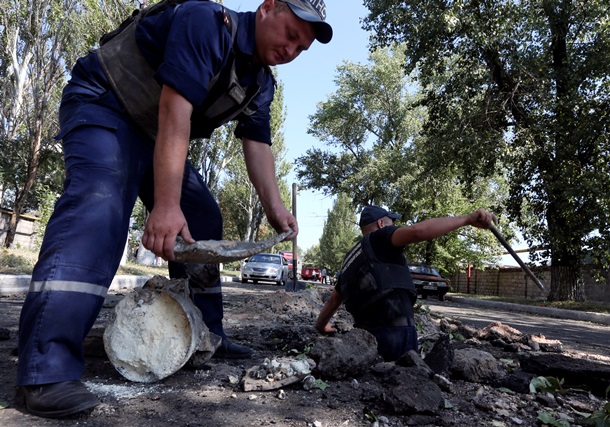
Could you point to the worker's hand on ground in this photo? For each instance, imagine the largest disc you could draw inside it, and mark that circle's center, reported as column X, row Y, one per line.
column 282, row 220
column 162, row 227
column 481, row 218
column 326, row 329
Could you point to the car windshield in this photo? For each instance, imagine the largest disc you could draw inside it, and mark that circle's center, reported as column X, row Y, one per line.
column 266, row 258
column 424, row 269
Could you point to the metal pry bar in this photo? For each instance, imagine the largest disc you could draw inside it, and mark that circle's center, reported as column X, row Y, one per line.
column 525, row 268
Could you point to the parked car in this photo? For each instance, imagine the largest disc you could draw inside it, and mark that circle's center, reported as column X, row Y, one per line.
column 265, row 268
column 428, row 281
column 311, row 273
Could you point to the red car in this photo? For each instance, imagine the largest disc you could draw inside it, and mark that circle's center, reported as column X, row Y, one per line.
column 428, row 281
column 311, row 273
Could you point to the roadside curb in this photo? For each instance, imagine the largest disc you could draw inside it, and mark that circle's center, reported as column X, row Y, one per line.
column 17, row 284
column 585, row 316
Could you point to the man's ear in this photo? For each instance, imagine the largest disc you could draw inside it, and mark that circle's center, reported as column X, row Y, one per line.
column 267, row 6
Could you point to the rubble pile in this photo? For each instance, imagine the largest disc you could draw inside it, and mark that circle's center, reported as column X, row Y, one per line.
column 496, row 364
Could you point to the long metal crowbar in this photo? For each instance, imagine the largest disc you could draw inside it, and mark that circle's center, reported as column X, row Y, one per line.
column 525, row 268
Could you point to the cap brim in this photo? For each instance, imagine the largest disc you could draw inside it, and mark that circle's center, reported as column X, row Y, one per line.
column 324, row 32
column 393, row 215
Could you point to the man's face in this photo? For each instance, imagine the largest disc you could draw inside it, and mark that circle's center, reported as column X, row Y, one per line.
column 280, row 35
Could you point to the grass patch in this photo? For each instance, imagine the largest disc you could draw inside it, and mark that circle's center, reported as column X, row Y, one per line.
column 21, row 261
column 17, row 261
column 131, row 268
column 565, row 305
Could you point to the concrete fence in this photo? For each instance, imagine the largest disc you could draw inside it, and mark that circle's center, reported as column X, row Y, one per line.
column 514, row 283
column 26, row 227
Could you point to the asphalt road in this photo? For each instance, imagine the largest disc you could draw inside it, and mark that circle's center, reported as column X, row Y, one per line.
column 575, row 335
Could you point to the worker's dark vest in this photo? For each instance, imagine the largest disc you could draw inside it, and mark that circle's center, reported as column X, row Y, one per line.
column 131, row 78
column 366, row 284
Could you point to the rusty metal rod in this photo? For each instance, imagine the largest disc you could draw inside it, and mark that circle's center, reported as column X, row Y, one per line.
column 525, row 268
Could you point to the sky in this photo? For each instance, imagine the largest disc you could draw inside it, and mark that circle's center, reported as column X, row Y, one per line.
column 308, row 80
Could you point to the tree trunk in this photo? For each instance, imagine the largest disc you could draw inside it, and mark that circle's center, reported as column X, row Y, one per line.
column 22, row 196
column 11, row 230
column 567, row 283
column 254, row 222
column 258, row 219
column 14, row 220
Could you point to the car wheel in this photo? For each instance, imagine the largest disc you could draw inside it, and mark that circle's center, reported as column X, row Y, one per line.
column 441, row 297
column 424, row 295
column 244, row 280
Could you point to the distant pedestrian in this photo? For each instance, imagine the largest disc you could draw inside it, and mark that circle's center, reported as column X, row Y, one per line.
column 323, row 279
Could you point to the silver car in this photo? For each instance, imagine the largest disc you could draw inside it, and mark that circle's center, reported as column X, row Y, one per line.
column 265, row 267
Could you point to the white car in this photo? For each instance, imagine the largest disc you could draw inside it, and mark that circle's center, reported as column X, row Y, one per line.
column 265, row 267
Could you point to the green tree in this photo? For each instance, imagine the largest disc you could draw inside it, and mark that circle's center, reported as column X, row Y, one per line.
column 339, row 234
column 36, row 43
column 525, row 84
column 312, row 256
column 369, row 125
column 37, row 49
column 213, row 155
column 373, row 126
column 244, row 218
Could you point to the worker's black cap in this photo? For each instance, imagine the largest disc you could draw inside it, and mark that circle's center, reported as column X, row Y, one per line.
column 371, row 214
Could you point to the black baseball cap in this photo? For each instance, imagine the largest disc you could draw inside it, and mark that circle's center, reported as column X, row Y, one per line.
column 313, row 11
column 371, row 214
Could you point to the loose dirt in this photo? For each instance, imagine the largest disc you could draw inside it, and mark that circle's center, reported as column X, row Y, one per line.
column 278, row 326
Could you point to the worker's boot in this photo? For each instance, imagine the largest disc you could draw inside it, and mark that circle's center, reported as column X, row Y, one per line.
column 210, row 305
column 58, row 399
column 229, row 350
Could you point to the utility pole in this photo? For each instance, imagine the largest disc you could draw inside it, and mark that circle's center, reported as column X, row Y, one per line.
column 295, row 255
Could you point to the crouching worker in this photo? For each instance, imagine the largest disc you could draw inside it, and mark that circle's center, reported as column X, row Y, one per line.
column 375, row 283
column 173, row 73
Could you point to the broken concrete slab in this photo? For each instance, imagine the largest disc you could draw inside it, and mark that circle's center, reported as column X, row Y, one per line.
column 476, row 366
column 217, row 251
column 575, row 372
column 347, row 355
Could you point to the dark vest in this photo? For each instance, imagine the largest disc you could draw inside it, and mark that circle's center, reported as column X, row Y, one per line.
column 367, row 283
column 131, row 78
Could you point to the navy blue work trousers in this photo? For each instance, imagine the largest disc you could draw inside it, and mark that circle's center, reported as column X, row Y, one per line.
column 394, row 341
column 107, row 168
